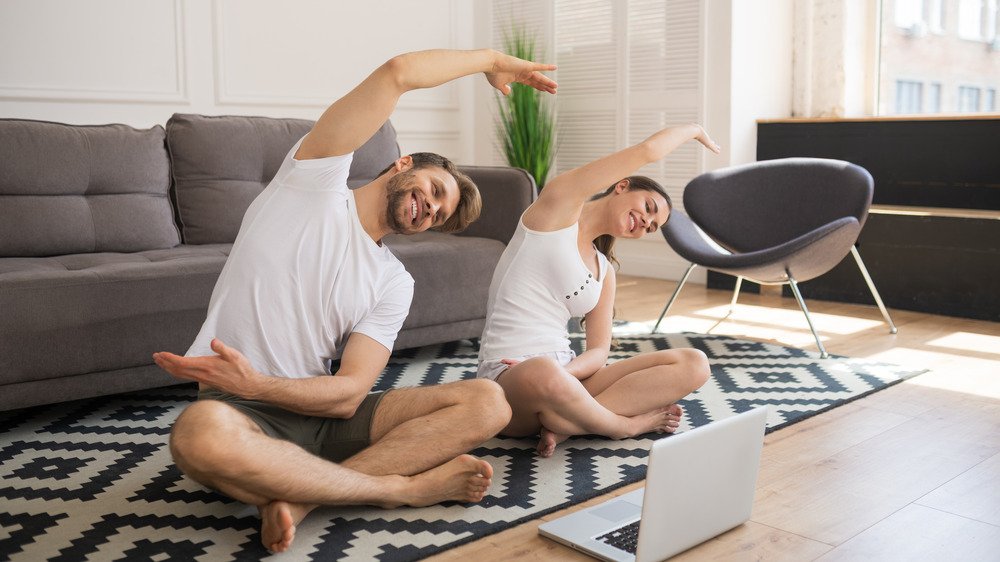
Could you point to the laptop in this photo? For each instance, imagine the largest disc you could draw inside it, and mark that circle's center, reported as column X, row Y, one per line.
column 699, row 484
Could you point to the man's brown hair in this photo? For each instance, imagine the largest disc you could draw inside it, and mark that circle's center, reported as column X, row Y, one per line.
column 470, row 204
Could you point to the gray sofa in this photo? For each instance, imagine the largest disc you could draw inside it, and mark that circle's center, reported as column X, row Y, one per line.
column 111, row 239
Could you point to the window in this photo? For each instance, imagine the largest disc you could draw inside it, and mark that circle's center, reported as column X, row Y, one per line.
column 909, row 96
column 933, row 99
column 970, row 19
column 936, row 19
column 938, row 56
column 968, row 99
column 908, row 13
column 990, row 21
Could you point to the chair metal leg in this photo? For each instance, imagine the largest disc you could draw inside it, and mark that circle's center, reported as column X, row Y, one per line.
column 871, row 287
column 736, row 295
column 673, row 297
column 802, row 305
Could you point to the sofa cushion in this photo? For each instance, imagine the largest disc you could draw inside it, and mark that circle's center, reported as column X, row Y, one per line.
column 85, row 313
column 451, row 275
column 78, row 188
column 374, row 156
column 220, row 164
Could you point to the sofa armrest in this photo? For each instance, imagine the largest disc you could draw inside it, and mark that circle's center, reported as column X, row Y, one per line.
column 506, row 193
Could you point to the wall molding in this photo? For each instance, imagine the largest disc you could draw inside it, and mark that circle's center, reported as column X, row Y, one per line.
column 225, row 97
column 177, row 95
column 429, row 135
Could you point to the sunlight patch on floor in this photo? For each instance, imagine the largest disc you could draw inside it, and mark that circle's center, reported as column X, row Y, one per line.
column 967, row 341
column 982, row 379
column 780, row 335
column 794, row 319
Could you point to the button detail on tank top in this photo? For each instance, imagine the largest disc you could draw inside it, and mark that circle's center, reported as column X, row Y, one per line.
column 582, row 287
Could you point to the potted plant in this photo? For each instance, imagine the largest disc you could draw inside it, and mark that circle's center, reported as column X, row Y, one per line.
column 526, row 121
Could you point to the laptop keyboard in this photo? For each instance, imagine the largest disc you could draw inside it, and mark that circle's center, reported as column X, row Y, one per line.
column 624, row 538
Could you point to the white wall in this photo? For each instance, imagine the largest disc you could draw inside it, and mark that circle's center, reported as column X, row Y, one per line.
column 750, row 58
column 139, row 61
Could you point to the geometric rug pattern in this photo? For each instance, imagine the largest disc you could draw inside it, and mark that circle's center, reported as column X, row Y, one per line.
column 93, row 479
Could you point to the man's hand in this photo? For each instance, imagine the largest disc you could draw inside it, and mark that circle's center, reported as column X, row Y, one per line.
column 507, row 69
column 228, row 371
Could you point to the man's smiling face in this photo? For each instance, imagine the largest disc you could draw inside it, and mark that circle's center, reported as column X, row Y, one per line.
column 420, row 199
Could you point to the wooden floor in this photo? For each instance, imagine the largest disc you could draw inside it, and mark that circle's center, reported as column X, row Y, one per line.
column 909, row 473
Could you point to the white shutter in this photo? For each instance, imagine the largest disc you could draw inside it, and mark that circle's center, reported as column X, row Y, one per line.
column 627, row 68
column 664, row 74
column 588, row 56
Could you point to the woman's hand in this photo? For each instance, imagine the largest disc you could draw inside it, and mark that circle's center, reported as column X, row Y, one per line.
column 665, row 141
column 507, row 69
column 702, row 137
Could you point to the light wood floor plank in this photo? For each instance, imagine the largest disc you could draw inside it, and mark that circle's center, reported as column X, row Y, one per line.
column 917, row 533
column 840, row 496
column 753, row 541
column 974, row 494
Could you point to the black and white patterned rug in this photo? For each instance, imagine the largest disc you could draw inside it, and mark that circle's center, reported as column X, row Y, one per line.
column 93, row 479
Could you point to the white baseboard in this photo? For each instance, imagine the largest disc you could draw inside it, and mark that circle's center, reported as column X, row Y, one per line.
column 652, row 257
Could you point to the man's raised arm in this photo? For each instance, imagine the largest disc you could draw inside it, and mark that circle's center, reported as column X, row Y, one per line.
column 354, row 118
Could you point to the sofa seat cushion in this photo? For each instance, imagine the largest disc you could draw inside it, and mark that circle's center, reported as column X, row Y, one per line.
column 451, row 275
column 77, row 188
column 84, row 313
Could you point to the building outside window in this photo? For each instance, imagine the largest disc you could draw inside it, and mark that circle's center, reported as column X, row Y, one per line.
column 951, row 46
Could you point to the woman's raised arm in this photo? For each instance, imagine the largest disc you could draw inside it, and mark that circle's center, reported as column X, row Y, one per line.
column 560, row 203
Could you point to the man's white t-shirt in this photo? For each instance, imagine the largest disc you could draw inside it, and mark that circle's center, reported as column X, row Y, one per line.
column 303, row 275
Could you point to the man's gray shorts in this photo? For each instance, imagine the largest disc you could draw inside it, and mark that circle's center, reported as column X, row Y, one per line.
column 333, row 439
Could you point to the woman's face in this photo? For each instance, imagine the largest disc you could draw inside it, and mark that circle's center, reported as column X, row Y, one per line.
column 636, row 212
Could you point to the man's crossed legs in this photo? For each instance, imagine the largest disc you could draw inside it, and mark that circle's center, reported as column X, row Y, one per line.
column 418, row 437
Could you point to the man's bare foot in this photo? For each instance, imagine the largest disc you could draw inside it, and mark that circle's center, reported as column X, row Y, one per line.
column 464, row 478
column 277, row 523
column 547, row 442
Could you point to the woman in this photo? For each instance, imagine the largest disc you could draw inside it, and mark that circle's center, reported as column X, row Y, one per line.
column 557, row 267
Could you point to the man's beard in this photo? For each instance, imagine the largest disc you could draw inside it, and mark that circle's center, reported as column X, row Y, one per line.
column 397, row 192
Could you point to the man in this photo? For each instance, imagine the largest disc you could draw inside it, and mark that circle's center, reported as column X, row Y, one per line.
column 308, row 281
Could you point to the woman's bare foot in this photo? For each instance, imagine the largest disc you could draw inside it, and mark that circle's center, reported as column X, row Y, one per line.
column 660, row 420
column 674, row 413
column 547, row 442
column 464, row 478
column 277, row 523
